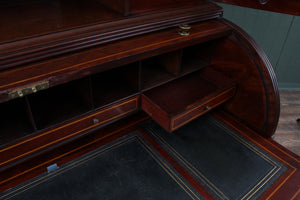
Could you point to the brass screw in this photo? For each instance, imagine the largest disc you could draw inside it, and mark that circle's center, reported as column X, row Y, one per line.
column 20, row 93
column 34, row 90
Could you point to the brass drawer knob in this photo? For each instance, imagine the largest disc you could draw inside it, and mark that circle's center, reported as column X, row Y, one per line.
column 184, row 29
column 96, row 121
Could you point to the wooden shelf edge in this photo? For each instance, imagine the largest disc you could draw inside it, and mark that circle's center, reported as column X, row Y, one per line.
column 36, row 165
column 46, row 140
column 51, row 45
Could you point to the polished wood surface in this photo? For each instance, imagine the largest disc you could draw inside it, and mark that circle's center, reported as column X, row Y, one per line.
column 98, row 71
column 73, row 66
column 33, row 46
column 257, row 98
column 95, row 83
column 291, row 7
column 288, row 130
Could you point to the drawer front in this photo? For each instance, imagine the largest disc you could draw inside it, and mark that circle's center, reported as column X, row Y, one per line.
column 198, row 110
column 155, row 112
column 49, row 138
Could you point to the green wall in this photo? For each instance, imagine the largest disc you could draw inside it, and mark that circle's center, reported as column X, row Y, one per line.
column 277, row 34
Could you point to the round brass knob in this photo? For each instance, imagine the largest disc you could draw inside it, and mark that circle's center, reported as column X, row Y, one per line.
column 184, row 29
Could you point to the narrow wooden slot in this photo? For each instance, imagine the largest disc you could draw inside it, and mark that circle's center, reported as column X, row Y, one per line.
column 179, row 101
column 116, row 84
column 14, row 121
column 196, row 57
column 60, row 103
column 160, row 69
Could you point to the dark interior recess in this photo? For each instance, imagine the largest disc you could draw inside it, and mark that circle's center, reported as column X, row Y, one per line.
column 166, row 67
column 196, row 57
column 154, row 72
column 14, row 121
column 185, row 92
column 116, row 84
column 61, row 103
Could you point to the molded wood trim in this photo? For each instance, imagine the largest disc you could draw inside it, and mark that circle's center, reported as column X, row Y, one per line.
column 268, row 78
column 45, row 46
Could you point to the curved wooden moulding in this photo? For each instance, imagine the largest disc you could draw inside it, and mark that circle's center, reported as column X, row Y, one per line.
column 28, row 47
column 256, row 102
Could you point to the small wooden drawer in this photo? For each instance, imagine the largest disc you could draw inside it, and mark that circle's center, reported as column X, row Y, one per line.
column 178, row 102
column 48, row 139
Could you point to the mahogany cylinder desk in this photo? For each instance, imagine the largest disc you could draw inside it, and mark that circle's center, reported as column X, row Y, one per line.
column 79, row 75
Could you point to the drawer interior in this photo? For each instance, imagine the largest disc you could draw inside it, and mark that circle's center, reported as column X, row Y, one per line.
column 173, row 99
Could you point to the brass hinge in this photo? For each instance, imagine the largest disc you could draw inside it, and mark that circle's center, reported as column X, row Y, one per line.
column 28, row 90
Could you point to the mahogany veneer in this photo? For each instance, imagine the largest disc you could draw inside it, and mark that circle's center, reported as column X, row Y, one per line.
column 99, row 67
column 65, row 30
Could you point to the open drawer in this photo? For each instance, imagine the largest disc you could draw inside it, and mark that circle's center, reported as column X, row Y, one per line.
column 177, row 102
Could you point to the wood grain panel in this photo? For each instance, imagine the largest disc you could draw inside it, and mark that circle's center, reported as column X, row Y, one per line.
column 257, row 99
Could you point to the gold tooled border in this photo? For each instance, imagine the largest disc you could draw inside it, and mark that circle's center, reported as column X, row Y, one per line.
column 69, row 152
column 96, row 154
column 274, row 155
column 259, row 185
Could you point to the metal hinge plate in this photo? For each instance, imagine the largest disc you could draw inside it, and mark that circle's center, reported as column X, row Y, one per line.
column 28, row 90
